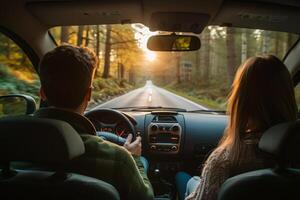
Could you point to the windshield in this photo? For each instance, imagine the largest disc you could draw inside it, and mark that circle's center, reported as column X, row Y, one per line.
column 130, row 76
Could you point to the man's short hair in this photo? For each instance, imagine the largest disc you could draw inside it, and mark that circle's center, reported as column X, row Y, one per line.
column 66, row 74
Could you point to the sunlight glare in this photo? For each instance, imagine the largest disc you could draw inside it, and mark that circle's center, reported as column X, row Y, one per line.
column 142, row 34
column 150, row 55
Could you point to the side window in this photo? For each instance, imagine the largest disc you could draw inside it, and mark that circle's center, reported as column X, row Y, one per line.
column 17, row 74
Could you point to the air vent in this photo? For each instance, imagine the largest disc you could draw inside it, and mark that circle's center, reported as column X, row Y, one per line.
column 165, row 118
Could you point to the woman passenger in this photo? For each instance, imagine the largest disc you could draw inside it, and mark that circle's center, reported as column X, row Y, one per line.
column 262, row 96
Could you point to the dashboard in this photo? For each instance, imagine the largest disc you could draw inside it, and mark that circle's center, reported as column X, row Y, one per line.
column 193, row 134
column 171, row 140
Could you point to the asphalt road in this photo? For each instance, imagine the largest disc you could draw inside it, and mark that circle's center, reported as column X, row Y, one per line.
column 150, row 95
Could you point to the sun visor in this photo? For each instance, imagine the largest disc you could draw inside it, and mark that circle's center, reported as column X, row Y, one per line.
column 259, row 15
column 63, row 13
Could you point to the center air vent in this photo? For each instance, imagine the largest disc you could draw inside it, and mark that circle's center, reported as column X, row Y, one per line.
column 165, row 118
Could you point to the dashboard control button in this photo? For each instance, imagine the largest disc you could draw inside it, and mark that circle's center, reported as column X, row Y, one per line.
column 174, row 148
column 154, row 127
column 164, row 138
column 153, row 147
column 175, row 128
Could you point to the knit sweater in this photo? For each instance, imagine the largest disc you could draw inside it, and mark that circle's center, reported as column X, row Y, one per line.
column 218, row 168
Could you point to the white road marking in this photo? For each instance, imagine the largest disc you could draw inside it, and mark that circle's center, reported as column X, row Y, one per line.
column 144, row 96
column 149, row 98
column 149, row 91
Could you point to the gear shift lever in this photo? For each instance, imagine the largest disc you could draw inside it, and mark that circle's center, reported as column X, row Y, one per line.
column 163, row 186
column 159, row 179
column 157, row 175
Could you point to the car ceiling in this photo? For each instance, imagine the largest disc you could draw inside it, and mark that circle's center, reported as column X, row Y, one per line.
column 264, row 14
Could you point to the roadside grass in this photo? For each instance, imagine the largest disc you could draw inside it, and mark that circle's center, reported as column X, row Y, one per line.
column 107, row 89
column 22, row 82
column 18, row 82
column 197, row 96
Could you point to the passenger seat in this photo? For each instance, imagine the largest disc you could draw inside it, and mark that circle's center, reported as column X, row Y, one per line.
column 282, row 182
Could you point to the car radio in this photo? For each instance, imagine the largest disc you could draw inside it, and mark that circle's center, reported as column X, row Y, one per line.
column 164, row 137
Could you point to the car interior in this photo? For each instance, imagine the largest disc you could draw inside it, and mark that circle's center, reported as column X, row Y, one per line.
column 173, row 140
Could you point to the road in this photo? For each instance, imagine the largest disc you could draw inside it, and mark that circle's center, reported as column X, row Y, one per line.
column 151, row 95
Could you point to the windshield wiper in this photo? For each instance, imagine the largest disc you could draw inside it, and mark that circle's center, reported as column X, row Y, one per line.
column 208, row 111
column 147, row 108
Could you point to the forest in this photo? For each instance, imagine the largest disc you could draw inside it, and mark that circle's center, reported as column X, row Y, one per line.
column 203, row 76
column 17, row 74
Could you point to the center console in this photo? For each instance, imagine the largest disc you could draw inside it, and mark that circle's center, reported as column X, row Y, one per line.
column 164, row 134
column 164, row 137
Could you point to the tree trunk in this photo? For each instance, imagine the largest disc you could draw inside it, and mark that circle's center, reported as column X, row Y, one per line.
column 178, row 74
column 206, row 55
column 64, row 34
column 277, row 44
column 97, row 46
column 265, row 42
column 213, row 61
column 87, row 38
column 80, row 35
column 197, row 76
column 202, row 55
column 244, row 47
column 107, row 52
column 131, row 76
column 97, row 50
column 289, row 40
column 231, row 55
column 122, row 71
column 251, row 41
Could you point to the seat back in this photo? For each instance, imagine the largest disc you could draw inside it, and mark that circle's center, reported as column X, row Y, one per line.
column 26, row 184
column 261, row 185
column 282, row 182
column 51, row 144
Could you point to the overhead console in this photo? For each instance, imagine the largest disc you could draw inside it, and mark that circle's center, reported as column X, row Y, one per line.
column 179, row 22
column 165, row 132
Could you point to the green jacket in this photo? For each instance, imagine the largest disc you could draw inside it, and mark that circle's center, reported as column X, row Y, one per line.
column 106, row 161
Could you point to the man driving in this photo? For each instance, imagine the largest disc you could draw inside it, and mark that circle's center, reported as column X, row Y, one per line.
column 66, row 75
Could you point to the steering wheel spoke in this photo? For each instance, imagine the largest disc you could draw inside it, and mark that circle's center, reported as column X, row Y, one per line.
column 111, row 137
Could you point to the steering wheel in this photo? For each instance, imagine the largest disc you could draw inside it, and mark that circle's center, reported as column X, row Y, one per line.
column 110, row 113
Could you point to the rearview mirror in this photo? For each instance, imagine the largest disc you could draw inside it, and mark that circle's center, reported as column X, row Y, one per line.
column 16, row 104
column 173, row 43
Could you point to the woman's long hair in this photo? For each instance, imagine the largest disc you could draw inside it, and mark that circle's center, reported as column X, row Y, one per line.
column 262, row 95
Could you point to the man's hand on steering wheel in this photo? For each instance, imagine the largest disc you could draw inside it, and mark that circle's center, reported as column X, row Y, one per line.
column 135, row 148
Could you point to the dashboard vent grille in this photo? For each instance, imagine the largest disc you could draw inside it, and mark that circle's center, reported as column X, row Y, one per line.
column 165, row 118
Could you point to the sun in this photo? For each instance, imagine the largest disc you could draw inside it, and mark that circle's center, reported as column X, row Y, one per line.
column 142, row 34
column 150, row 55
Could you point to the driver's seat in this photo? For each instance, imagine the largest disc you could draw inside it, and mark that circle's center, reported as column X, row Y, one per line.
column 49, row 144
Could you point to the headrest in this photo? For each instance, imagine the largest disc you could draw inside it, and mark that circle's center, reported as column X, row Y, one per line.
column 79, row 122
column 38, row 140
column 282, row 141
